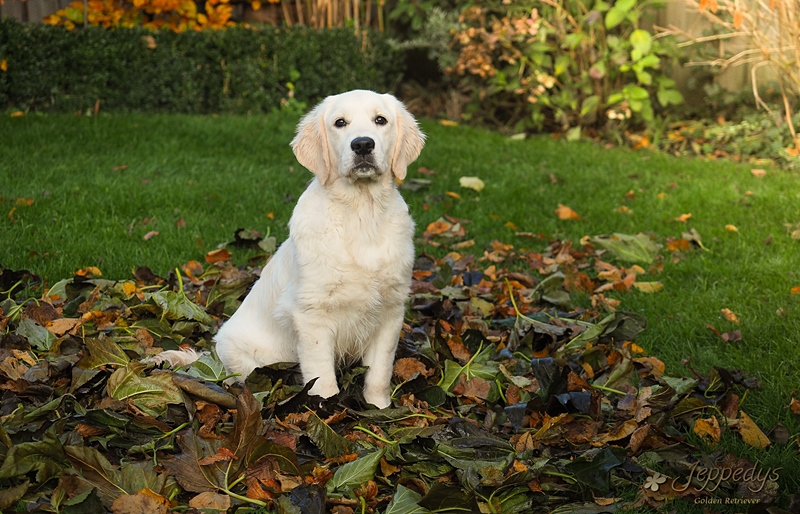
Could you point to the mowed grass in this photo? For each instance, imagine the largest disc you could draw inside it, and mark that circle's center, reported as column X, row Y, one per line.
column 99, row 185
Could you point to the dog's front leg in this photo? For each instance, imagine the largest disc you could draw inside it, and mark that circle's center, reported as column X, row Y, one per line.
column 379, row 356
column 315, row 351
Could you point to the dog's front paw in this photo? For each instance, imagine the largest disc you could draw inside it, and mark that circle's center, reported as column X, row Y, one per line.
column 378, row 398
column 324, row 389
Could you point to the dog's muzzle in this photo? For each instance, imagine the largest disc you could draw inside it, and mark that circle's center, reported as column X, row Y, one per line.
column 363, row 163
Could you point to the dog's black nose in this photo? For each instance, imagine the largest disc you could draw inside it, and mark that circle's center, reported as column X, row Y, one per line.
column 362, row 145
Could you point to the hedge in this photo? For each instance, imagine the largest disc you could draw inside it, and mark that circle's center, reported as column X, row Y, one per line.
column 237, row 70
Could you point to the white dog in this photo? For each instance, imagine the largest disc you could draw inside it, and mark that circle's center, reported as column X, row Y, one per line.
column 335, row 290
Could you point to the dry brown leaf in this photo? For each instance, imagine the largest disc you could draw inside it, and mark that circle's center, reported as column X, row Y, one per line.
column 139, row 503
column 406, row 367
column 209, row 500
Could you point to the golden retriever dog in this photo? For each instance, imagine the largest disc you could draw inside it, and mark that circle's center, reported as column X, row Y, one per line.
column 335, row 290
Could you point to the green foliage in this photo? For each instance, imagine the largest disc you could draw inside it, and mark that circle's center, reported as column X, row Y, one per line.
column 236, row 70
column 561, row 65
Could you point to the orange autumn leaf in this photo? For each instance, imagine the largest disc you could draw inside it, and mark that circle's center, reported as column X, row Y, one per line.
column 708, row 428
column 794, row 406
column 451, row 194
column 758, row 173
column 683, row 218
column 566, row 213
column 678, row 245
column 437, row 227
column 89, row 272
column 795, row 290
column 731, row 228
column 4, row 65
column 729, row 315
column 218, row 256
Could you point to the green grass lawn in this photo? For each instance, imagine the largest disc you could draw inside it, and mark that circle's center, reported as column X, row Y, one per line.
column 99, row 185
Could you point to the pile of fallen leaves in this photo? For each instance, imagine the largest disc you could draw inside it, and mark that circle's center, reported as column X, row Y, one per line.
column 506, row 397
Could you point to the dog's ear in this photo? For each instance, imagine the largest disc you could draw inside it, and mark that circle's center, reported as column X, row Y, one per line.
column 310, row 144
column 408, row 142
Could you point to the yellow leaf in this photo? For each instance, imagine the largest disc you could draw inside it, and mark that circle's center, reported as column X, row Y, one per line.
column 750, row 432
column 89, row 272
column 472, row 183
column 661, row 196
column 649, row 287
column 449, row 123
column 256, row 5
column 708, row 428
column 731, row 228
column 129, row 289
column 4, row 65
column 453, row 195
column 565, row 213
column 511, row 225
column 17, row 114
column 729, row 315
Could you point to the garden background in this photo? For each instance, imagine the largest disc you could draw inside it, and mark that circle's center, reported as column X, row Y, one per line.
column 604, row 307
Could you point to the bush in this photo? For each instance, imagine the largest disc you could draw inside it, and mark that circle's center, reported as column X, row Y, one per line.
column 236, row 70
column 558, row 64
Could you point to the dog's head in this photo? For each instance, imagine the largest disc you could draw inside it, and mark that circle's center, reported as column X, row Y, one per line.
column 359, row 135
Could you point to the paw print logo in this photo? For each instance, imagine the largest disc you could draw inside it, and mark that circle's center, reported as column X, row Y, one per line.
column 655, row 481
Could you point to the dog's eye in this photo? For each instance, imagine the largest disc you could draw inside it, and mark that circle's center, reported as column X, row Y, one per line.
column 380, row 120
column 339, row 123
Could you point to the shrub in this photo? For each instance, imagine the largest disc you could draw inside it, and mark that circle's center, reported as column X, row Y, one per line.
column 235, row 70
column 560, row 64
column 757, row 34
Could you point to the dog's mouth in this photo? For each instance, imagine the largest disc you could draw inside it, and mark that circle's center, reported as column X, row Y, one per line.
column 364, row 168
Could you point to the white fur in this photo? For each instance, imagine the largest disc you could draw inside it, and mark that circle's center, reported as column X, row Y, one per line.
column 335, row 289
